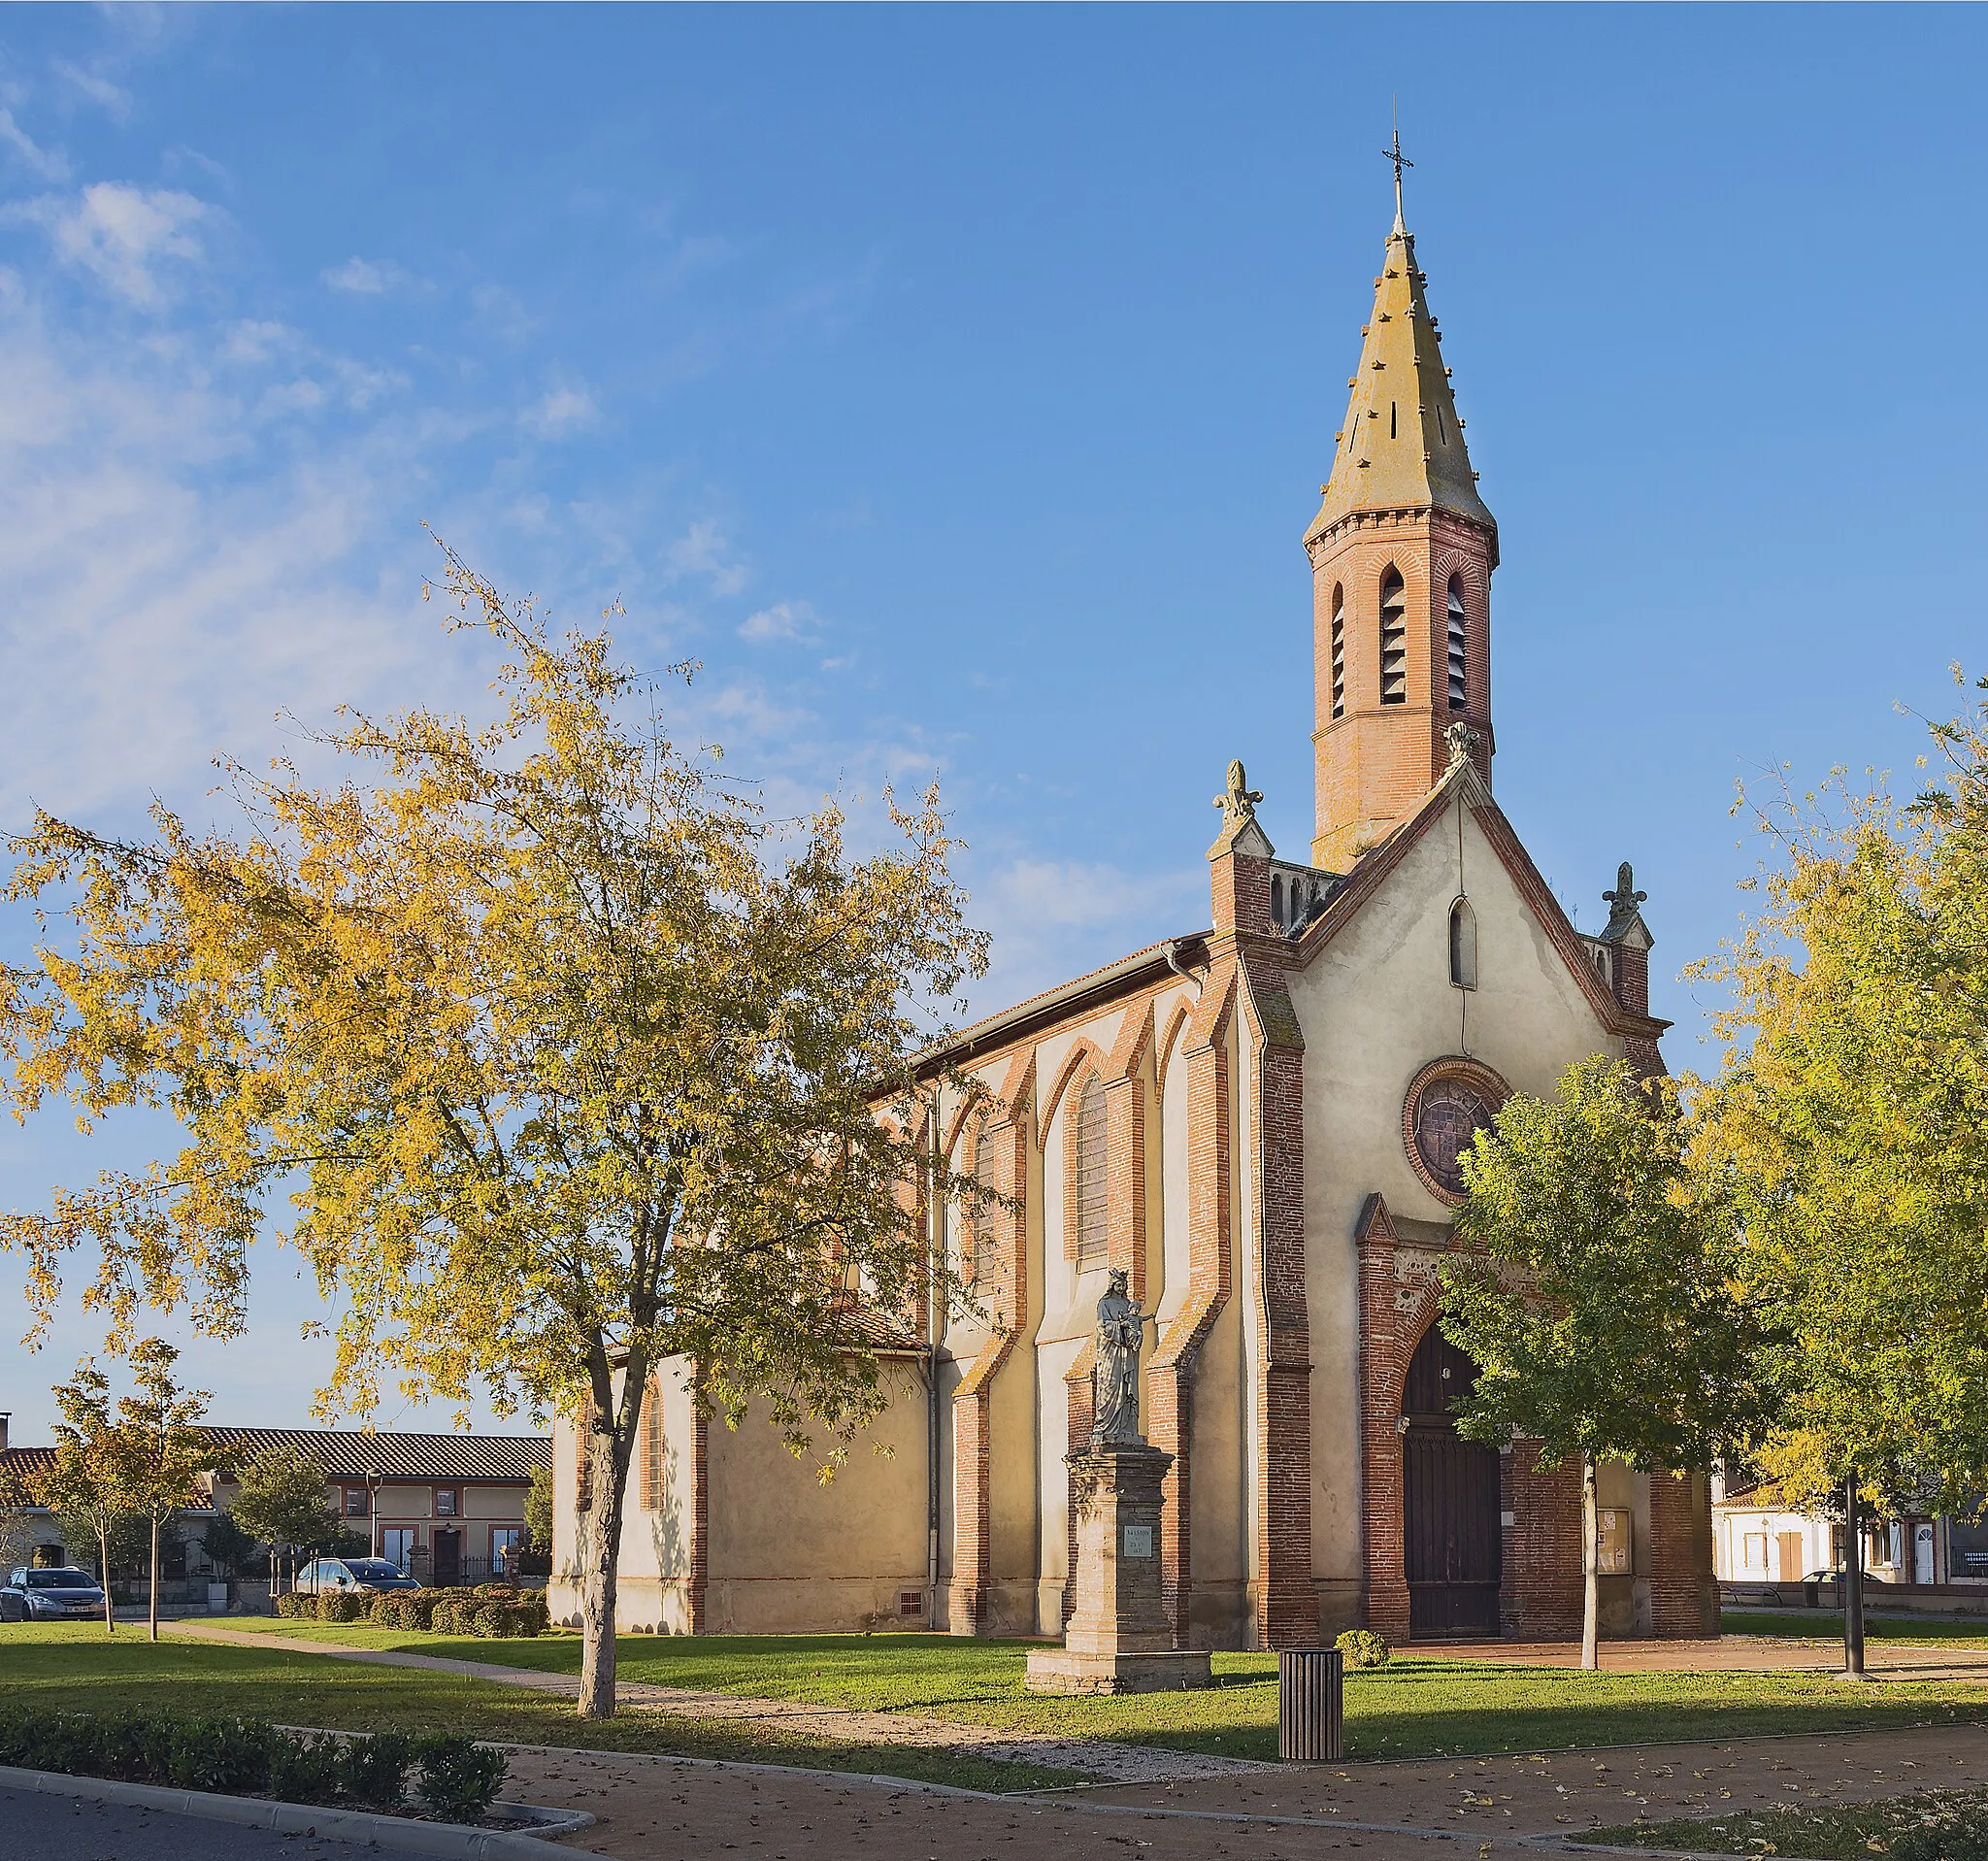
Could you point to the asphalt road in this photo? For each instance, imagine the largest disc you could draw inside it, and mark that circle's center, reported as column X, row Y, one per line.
column 56, row 1828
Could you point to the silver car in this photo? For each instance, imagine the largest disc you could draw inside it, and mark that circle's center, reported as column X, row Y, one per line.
column 49, row 1595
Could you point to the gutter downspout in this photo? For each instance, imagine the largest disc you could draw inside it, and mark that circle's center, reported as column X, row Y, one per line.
column 1174, row 964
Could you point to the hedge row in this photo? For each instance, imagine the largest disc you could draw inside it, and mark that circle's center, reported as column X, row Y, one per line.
column 452, row 1776
column 495, row 1610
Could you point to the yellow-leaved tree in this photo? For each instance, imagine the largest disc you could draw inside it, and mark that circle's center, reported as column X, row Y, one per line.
column 1851, row 1116
column 566, row 1059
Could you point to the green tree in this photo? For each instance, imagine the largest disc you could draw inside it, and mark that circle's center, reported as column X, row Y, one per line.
column 1852, row 1113
column 16, row 1522
column 229, row 1548
column 280, row 1500
column 567, row 1058
column 82, row 1487
column 538, row 1509
column 1598, row 1292
column 160, row 1451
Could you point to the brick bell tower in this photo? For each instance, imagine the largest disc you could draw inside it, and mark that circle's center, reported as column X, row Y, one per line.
column 1402, row 552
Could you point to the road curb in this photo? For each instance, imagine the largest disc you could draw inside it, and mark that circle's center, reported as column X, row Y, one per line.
column 409, row 1837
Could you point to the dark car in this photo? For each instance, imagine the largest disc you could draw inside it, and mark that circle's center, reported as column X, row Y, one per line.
column 49, row 1595
column 366, row 1576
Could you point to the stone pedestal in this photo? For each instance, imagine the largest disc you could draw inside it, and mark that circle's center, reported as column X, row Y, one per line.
column 1119, row 1640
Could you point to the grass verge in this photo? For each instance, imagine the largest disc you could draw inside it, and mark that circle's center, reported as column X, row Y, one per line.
column 1415, row 1707
column 1852, row 1832
column 75, row 1666
column 1825, row 1626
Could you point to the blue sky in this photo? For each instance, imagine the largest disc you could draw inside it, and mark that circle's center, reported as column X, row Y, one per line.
column 956, row 384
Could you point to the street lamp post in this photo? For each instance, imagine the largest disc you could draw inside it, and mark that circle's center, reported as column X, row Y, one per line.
column 372, row 1512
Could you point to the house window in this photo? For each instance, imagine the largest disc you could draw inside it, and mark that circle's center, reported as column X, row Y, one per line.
column 397, row 1547
column 1754, row 1551
column 1339, row 653
column 1458, row 645
column 506, row 1541
column 1088, row 1177
column 447, row 1505
column 986, row 1241
column 1463, row 945
column 1394, row 640
column 355, row 1502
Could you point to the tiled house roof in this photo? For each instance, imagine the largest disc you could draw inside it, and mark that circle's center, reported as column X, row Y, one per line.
column 345, row 1454
column 350, row 1453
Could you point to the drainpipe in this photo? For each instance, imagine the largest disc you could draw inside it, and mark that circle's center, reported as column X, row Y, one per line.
column 936, row 1228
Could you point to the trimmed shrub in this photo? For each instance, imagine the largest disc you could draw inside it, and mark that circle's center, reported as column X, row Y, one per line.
column 304, row 1769
column 373, row 1771
column 226, row 1755
column 291, row 1605
column 378, row 1610
column 456, row 1777
column 1362, row 1647
column 340, row 1605
column 233, row 1756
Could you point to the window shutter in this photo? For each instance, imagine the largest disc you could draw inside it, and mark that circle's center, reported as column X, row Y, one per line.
column 648, row 1449
column 1090, row 1187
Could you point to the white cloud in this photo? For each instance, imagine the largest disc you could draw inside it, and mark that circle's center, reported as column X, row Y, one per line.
column 704, row 549
column 366, row 277
column 94, row 85
column 1054, row 918
column 46, row 163
column 503, row 316
column 122, row 236
column 783, row 621
column 564, row 410
column 174, row 577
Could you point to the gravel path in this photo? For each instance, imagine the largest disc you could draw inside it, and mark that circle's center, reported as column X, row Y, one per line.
column 1096, row 1757
column 1423, row 1809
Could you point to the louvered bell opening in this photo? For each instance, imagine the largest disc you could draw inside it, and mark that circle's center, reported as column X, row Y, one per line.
column 1339, row 660
column 1458, row 697
column 1394, row 643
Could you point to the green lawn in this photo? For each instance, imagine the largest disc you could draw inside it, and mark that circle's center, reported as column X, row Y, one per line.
column 1850, row 1832
column 1826, row 1625
column 74, row 1665
column 1416, row 1706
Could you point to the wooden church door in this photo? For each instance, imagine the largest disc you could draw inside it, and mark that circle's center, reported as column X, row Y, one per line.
column 1450, row 1534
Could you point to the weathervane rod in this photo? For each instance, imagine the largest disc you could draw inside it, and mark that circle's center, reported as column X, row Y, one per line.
column 1399, row 161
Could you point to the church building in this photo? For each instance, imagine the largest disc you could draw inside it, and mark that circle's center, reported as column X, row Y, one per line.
column 1260, row 1120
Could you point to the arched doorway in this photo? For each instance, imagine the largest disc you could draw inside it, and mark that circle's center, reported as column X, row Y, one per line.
column 1450, row 1536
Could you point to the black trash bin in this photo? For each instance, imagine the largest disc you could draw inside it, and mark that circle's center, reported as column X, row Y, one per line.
column 1312, row 1711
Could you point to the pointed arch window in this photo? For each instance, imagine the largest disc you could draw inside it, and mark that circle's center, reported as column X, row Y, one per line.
column 1463, row 945
column 1339, row 653
column 1394, row 640
column 1459, row 647
column 1089, row 1176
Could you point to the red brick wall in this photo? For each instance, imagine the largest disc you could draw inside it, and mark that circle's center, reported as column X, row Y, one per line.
column 1544, row 1585
column 1684, row 1592
column 1376, row 762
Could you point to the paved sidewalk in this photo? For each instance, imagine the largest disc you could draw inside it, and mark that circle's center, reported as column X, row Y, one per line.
column 1417, row 1811
column 1096, row 1757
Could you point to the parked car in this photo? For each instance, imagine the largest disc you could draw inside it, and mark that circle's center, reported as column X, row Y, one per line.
column 49, row 1595
column 369, row 1575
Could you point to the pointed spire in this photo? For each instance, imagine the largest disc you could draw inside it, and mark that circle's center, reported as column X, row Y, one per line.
column 1402, row 446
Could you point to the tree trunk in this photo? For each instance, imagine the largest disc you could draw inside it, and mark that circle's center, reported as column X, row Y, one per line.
column 152, row 1599
column 600, row 1546
column 1591, row 1576
column 1853, row 1583
column 104, row 1566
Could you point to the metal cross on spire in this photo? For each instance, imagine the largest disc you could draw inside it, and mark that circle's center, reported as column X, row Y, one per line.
column 1399, row 161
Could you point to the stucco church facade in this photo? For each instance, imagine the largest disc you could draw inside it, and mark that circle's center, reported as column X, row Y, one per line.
column 1260, row 1120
